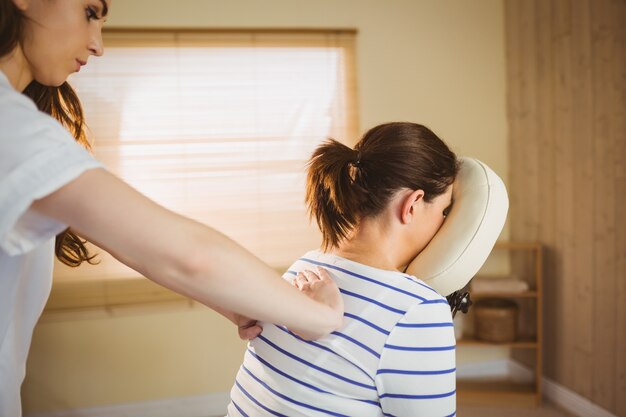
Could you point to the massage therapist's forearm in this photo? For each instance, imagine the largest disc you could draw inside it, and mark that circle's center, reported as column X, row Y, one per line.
column 181, row 254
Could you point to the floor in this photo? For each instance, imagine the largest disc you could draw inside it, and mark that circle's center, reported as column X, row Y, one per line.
column 547, row 410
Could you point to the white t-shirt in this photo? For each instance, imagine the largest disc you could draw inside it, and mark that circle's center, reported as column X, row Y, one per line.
column 37, row 157
column 393, row 356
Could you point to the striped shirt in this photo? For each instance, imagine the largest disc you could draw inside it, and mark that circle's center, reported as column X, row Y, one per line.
column 393, row 356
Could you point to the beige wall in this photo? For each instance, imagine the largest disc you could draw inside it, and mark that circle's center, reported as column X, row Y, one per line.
column 440, row 63
column 129, row 354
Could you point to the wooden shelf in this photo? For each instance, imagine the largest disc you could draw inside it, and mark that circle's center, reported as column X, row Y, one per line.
column 497, row 392
column 481, row 391
column 522, row 343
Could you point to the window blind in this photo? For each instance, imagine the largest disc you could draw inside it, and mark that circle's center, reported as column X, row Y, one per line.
column 218, row 126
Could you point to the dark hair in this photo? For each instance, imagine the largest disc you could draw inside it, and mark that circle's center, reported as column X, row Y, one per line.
column 10, row 27
column 61, row 103
column 345, row 185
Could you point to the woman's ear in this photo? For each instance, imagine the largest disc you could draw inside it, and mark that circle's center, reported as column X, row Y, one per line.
column 408, row 205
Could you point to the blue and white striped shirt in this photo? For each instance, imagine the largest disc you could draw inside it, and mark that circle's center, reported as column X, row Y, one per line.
column 394, row 355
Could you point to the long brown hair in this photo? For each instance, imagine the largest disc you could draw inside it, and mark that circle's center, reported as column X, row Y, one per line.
column 345, row 185
column 61, row 103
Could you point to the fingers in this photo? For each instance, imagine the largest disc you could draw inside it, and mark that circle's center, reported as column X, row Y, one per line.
column 323, row 274
column 305, row 279
column 319, row 286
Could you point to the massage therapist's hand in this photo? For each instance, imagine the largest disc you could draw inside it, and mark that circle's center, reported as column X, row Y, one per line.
column 319, row 286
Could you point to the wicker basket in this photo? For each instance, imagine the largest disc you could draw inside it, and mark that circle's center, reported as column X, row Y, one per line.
column 496, row 320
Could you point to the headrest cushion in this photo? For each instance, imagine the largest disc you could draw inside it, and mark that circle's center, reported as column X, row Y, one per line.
column 462, row 244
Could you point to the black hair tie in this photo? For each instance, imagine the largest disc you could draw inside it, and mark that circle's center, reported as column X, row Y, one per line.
column 357, row 163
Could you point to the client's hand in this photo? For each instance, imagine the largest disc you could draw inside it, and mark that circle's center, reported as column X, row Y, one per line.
column 319, row 286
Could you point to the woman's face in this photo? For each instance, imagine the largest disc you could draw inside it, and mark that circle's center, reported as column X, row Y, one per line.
column 60, row 36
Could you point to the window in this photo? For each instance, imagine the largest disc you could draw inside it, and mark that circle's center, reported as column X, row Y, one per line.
column 218, row 126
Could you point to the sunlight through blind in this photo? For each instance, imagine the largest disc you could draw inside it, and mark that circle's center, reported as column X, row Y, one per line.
column 219, row 126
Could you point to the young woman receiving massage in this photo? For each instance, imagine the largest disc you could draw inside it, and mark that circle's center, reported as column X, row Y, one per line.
column 377, row 205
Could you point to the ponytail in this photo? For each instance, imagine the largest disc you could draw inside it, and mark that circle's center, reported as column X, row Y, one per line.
column 332, row 190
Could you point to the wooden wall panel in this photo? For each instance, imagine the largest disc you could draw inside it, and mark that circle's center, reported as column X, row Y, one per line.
column 518, row 202
column 564, row 192
column 566, row 98
column 605, row 302
column 582, row 143
column 618, row 123
column 617, row 108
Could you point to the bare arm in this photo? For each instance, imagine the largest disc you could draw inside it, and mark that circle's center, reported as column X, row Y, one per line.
column 247, row 328
column 186, row 256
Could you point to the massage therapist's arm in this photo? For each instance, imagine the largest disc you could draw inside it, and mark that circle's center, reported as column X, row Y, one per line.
column 186, row 256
